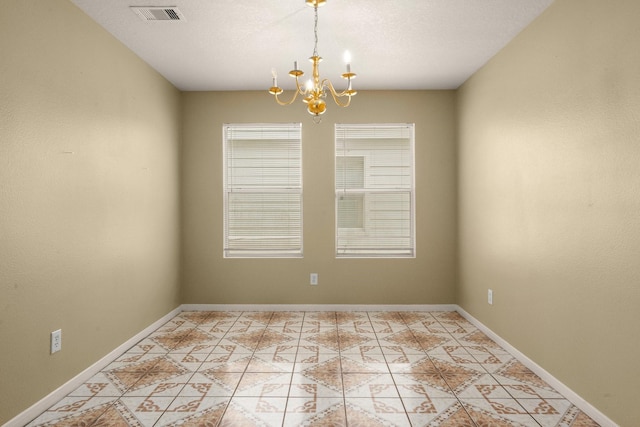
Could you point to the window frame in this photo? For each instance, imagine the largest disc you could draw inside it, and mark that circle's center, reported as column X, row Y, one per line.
column 369, row 193
column 230, row 190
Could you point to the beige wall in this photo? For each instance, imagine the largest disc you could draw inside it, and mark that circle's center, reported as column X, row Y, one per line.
column 427, row 279
column 549, row 165
column 89, row 239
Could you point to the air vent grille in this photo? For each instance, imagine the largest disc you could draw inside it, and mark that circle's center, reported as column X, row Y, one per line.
column 158, row 13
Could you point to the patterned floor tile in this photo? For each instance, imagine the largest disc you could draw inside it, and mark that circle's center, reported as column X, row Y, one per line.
column 197, row 341
column 262, row 317
column 226, row 362
column 216, row 327
column 403, row 339
column 145, row 346
column 478, row 338
column 288, row 327
column 193, row 317
column 454, row 354
column 279, row 318
column 421, row 387
column 484, row 386
column 546, row 411
column 371, row 359
column 308, row 411
column 343, row 317
column 329, row 412
column 457, row 377
column 190, row 361
column 366, row 384
column 327, row 339
column 271, row 339
column 142, row 374
column 358, row 327
column 314, row 327
column 458, row 328
column 330, row 385
column 427, row 411
column 165, row 387
column 266, row 411
column 265, row 363
column 97, row 386
column 432, row 382
column 273, row 384
column 498, row 412
column 376, row 412
column 414, row 317
column 430, row 326
column 171, row 340
column 455, row 415
column 394, row 317
column 382, row 368
column 348, row 340
column 321, row 318
column 212, row 384
column 369, row 385
column 143, row 411
column 74, row 411
column 399, row 358
column 572, row 417
column 191, row 412
column 306, row 360
column 136, row 362
column 384, row 327
column 492, row 360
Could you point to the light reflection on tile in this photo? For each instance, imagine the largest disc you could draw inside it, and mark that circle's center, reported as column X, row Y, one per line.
column 318, row 368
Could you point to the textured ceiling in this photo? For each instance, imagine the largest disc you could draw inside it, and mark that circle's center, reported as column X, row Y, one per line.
column 395, row 44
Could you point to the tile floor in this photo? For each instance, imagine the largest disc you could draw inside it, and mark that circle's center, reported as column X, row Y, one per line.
column 315, row 369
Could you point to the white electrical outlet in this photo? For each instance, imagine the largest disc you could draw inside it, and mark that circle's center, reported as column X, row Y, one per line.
column 313, row 278
column 56, row 341
column 490, row 296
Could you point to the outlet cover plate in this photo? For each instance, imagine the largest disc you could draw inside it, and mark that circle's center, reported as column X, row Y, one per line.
column 56, row 341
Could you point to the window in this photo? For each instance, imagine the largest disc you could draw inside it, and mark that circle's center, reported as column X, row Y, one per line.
column 375, row 197
column 262, row 190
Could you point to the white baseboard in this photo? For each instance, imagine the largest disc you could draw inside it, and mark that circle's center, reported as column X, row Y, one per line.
column 52, row 398
column 571, row 396
column 58, row 394
column 318, row 307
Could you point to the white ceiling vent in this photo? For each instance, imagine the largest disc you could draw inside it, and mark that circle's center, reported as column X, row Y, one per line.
column 158, row 13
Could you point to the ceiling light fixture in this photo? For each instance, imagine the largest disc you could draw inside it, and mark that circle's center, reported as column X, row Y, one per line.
column 315, row 91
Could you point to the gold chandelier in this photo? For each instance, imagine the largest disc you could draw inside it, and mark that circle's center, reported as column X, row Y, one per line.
column 315, row 91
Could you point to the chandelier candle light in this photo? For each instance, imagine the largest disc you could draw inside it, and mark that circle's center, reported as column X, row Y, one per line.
column 315, row 90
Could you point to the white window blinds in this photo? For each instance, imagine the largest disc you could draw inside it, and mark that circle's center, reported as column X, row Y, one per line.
column 262, row 190
column 375, row 202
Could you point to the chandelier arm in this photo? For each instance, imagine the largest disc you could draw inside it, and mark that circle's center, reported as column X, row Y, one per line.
column 299, row 89
column 335, row 95
column 283, row 103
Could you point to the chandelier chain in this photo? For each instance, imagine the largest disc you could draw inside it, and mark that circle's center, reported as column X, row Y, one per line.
column 315, row 31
